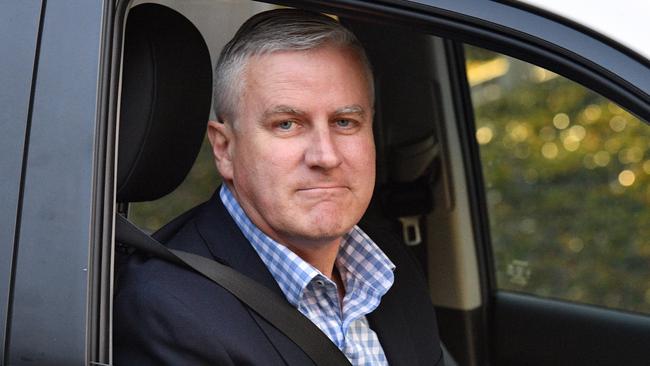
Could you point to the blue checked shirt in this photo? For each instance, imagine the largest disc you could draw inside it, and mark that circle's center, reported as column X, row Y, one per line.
column 364, row 268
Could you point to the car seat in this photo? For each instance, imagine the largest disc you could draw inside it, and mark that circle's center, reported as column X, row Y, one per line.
column 165, row 106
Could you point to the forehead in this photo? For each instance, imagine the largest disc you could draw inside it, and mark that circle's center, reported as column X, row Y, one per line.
column 323, row 56
column 326, row 72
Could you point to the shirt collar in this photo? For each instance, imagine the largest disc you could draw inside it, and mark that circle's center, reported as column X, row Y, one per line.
column 362, row 264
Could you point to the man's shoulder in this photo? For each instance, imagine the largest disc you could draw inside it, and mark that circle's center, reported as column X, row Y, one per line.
column 166, row 314
column 144, row 279
column 144, row 272
column 170, row 314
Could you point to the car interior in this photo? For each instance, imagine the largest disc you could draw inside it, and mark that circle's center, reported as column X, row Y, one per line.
column 423, row 190
column 165, row 103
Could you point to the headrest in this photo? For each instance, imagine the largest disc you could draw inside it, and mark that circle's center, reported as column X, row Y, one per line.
column 166, row 93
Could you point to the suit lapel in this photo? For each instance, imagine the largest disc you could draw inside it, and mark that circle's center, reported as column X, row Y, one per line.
column 392, row 329
column 228, row 245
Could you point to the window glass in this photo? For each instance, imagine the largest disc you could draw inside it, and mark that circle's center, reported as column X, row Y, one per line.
column 567, row 183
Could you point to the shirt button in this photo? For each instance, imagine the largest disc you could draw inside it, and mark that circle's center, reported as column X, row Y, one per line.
column 320, row 283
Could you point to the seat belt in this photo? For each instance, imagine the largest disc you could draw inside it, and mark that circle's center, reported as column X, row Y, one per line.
column 263, row 301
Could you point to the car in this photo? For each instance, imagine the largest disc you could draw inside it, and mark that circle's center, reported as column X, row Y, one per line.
column 513, row 159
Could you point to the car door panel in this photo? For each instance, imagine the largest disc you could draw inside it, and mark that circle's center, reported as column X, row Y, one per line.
column 48, row 323
column 19, row 25
column 535, row 331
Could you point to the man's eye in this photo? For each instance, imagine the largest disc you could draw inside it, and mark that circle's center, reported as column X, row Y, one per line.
column 343, row 123
column 285, row 125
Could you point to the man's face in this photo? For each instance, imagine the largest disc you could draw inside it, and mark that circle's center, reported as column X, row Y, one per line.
column 301, row 153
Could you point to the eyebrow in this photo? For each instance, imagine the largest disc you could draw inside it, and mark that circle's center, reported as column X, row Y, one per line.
column 350, row 109
column 285, row 109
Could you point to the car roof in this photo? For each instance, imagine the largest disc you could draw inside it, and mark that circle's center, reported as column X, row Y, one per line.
column 623, row 21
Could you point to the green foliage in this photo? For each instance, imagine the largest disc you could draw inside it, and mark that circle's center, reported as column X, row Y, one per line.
column 567, row 175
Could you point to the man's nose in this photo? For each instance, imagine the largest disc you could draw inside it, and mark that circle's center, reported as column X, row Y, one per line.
column 322, row 151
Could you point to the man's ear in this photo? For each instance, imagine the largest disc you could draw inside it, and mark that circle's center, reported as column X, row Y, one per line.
column 221, row 138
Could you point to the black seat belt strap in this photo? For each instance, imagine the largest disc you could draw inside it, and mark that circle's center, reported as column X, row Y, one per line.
column 266, row 303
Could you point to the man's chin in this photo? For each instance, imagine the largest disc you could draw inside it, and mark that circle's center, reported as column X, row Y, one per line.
column 320, row 234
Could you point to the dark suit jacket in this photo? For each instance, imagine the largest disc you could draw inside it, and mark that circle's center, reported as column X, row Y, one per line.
column 170, row 315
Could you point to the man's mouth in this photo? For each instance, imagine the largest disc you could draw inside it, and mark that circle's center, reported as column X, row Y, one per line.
column 324, row 189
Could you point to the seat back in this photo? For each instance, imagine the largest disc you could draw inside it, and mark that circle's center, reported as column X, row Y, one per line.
column 407, row 119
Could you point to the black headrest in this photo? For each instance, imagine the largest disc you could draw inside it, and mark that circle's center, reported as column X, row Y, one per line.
column 166, row 92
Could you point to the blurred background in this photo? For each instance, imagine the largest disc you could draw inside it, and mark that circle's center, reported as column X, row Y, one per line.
column 566, row 174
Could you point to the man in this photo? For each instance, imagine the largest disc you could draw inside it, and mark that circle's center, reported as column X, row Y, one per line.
column 294, row 145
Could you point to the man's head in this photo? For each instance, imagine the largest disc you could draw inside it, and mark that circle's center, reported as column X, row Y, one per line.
column 274, row 31
column 294, row 94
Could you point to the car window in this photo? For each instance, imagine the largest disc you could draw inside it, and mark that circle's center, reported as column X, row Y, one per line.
column 567, row 183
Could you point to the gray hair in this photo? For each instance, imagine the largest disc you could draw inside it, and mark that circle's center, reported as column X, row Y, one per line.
column 273, row 31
